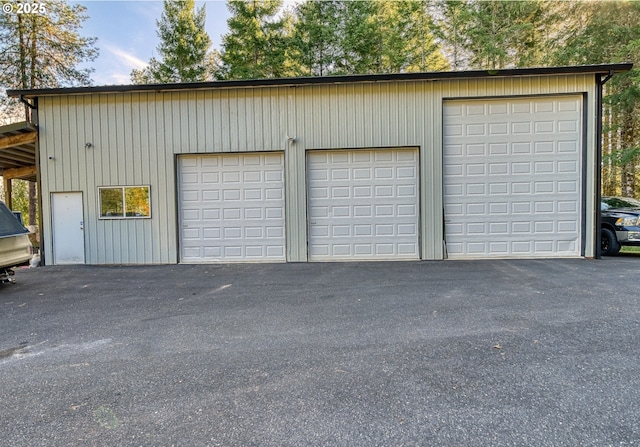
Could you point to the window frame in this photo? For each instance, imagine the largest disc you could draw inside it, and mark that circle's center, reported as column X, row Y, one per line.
column 123, row 189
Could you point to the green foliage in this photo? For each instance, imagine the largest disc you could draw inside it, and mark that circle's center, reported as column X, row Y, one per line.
column 45, row 50
column 111, row 202
column 256, row 45
column 358, row 43
column 408, row 39
column 367, row 36
column 598, row 32
column 136, row 201
column 314, row 41
column 494, row 34
column 183, row 47
column 20, row 201
column 622, row 157
column 449, row 29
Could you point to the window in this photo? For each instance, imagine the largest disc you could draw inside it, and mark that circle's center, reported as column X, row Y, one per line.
column 124, row 202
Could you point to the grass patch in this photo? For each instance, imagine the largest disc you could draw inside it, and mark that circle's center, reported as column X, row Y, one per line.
column 630, row 250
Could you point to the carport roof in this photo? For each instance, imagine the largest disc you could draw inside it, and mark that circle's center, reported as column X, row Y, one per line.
column 18, row 151
column 603, row 69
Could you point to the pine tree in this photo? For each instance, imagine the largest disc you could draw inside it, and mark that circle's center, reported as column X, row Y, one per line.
column 406, row 38
column 314, row 39
column 183, row 48
column 495, row 34
column 367, row 36
column 359, row 43
column 450, row 29
column 257, row 43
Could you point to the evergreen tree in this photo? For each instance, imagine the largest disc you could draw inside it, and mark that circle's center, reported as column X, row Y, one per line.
column 495, row 34
column 359, row 43
column 183, row 46
column 315, row 41
column 450, row 30
column 367, row 36
column 256, row 45
column 406, row 39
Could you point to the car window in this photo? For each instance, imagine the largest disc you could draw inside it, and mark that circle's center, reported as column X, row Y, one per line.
column 620, row 202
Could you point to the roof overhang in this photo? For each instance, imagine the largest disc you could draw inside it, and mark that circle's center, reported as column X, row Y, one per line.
column 604, row 69
column 18, row 151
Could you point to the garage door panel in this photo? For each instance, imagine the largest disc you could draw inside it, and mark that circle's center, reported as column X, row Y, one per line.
column 197, row 162
column 522, row 181
column 363, row 204
column 209, row 234
column 276, row 213
column 235, row 211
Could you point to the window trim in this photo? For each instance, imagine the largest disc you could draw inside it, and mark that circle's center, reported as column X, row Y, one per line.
column 123, row 188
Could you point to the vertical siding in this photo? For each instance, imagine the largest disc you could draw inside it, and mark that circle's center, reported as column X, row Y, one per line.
column 136, row 137
column 295, row 177
column 431, row 170
column 592, row 206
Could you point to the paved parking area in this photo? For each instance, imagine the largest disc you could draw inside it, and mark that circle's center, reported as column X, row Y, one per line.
column 483, row 353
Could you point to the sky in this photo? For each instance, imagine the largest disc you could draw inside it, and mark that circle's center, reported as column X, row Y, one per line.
column 127, row 38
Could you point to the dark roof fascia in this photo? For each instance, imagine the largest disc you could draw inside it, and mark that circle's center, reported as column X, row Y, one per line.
column 277, row 82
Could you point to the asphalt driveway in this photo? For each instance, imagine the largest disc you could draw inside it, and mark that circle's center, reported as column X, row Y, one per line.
column 486, row 353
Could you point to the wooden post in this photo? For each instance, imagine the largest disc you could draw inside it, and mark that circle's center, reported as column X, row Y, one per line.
column 7, row 192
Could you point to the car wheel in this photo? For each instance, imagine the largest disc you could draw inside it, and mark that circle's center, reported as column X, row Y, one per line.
column 609, row 245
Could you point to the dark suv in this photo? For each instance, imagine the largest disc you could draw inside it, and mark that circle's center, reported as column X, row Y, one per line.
column 620, row 224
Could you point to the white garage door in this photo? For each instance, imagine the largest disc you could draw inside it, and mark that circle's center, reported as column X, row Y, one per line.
column 231, row 207
column 512, row 180
column 363, row 204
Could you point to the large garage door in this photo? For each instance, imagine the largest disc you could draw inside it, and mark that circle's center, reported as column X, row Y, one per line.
column 363, row 204
column 512, row 180
column 231, row 207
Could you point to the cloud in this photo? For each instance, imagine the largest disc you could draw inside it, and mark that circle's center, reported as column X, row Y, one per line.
column 126, row 58
column 115, row 65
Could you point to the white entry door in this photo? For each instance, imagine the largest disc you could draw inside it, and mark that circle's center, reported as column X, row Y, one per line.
column 68, row 228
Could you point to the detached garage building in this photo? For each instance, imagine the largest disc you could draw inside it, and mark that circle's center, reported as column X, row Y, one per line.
column 378, row 167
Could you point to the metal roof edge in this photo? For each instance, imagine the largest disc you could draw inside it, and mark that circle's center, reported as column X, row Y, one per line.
column 300, row 81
